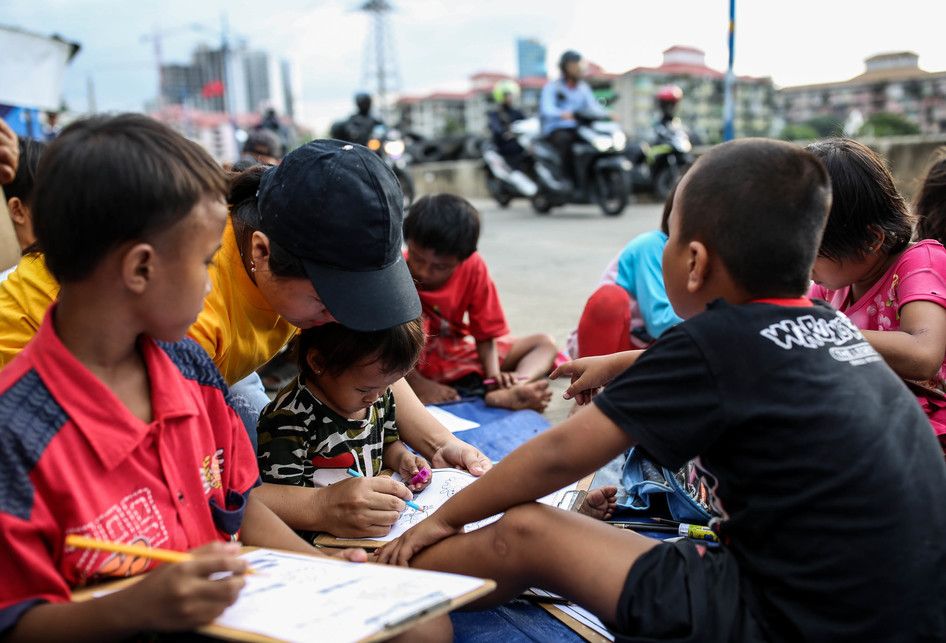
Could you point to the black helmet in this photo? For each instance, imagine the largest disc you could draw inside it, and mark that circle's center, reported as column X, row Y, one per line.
column 363, row 102
column 570, row 56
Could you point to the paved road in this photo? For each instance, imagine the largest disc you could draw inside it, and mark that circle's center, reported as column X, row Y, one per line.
column 546, row 266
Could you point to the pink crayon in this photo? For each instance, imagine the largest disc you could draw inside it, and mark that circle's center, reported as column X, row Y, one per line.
column 421, row 476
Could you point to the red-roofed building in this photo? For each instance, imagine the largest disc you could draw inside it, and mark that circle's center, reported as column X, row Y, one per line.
column 443, row 113
column 702, row 107
column 891, row 82
column 485, row 80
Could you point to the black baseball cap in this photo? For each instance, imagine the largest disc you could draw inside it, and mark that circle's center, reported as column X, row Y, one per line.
column 338, row 208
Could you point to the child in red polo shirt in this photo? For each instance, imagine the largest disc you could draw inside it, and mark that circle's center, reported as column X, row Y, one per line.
column 111, row 426
column 468, row 342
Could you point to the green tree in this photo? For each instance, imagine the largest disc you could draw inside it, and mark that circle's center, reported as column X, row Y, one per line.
column 887, row 124
column 452, row 126
column 799, row 132
column 825, row 126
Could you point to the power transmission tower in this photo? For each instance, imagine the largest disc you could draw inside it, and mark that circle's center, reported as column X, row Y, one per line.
column 379, row 68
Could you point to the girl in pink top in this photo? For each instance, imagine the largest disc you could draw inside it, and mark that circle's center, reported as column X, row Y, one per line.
column 867, row 267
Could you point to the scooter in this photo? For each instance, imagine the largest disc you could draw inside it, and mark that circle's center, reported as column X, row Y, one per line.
column 657, row 167
column 390, row 145
column 504, row 182
column 601, row 170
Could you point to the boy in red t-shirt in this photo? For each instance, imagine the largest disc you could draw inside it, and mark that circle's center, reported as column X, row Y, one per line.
column 112, row 425
column 468, row 345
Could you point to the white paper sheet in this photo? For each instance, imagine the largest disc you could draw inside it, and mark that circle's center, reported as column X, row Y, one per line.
column 444, row 484
column 453, row 422
column 301, row 598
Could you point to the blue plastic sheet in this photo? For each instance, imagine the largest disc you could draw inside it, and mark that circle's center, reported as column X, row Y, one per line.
column 500, row 432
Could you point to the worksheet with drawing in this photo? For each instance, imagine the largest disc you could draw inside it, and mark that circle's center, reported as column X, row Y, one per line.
column 444, row 484
column 302, row 598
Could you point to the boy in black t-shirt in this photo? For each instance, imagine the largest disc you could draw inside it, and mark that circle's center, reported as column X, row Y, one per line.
column 830, row 483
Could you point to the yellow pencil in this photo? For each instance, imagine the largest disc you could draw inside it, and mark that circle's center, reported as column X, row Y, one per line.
column 154, row 553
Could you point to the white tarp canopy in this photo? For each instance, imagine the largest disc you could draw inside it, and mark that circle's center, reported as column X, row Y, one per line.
column 32, row 68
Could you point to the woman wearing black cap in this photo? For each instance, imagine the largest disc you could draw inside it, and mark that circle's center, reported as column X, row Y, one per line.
column 319, row 238
column 314, row 240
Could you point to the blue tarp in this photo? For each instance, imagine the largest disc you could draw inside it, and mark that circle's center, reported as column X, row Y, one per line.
column 500, row 432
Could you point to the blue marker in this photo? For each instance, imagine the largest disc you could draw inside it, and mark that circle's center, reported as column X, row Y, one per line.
column 410, row 503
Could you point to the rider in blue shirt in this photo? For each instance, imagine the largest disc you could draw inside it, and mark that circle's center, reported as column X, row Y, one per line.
column 561, row 99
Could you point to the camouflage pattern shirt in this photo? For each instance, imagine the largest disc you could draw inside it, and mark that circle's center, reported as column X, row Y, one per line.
column 303, row 442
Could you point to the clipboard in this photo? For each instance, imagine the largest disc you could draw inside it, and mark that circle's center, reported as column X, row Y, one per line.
column 230, row 634
column 574, row 625
column 323, row 541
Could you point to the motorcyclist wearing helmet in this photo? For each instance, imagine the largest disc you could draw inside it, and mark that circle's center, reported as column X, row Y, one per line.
column 505, row 93
column 561, row 99
column 668, row 97
column 358, row 127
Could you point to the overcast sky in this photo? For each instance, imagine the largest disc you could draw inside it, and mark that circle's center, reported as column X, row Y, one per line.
column 439, row 43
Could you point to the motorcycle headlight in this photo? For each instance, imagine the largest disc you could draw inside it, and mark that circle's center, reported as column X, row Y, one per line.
column 394, row 149
column 602, row 143
column 620, row 140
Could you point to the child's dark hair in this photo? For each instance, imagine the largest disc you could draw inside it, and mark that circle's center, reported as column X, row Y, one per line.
column 761, row 206
column 244, row 212
column 263, row 141
column 340, row 348
column 930, row 204
column 22, row 185
column 107, row 180
column 864, row 202
column 447, row 224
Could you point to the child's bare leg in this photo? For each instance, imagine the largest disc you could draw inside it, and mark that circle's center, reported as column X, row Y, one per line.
column 580, row 558
column 531, row 357
column 437, row 630
column 528, row 395
column 430, row 392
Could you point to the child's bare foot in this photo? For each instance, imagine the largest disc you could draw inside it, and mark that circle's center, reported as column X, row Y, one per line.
column 600, row 503
column 533, row 395
column 431, row 392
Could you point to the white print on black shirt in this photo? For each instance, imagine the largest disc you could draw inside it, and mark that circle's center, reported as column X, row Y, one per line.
column 809, row 331
column 857, row 354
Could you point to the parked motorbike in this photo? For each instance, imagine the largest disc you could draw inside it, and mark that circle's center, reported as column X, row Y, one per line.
column 600, row 169
column 657, row 167
column 391, row 146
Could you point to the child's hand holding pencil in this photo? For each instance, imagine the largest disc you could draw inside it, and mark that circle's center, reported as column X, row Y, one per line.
column 182, row 595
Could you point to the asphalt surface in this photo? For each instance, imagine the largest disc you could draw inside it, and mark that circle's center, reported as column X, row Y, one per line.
column 546, row 266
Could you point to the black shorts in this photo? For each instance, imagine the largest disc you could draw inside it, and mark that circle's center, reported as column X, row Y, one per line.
column 673, row 593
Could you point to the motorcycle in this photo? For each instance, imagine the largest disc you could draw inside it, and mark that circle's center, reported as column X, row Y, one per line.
column 504, row 182
column 657, row 167
column 601, row 171
column 391, row 146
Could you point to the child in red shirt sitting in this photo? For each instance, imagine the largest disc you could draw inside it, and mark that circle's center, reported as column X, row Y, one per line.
column 468, row 345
